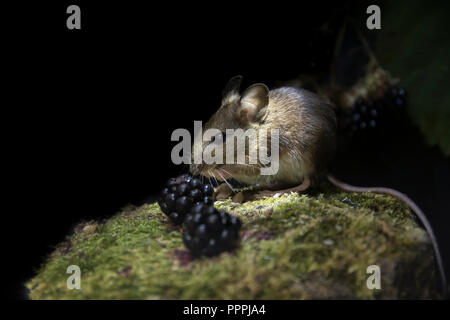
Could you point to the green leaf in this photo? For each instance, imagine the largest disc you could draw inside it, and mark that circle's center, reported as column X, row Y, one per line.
column 413, row 44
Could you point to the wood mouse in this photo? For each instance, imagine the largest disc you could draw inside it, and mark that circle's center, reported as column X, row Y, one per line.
column 307, row 145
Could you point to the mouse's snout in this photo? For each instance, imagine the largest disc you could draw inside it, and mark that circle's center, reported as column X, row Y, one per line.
column 201, row 169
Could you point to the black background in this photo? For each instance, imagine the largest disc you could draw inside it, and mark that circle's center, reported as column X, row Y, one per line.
column 93, row 109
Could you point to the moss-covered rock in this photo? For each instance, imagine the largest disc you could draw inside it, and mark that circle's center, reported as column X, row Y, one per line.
column 317, row 245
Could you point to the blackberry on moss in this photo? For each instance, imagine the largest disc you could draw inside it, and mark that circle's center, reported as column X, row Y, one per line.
column 180, row 194
column 209, row 232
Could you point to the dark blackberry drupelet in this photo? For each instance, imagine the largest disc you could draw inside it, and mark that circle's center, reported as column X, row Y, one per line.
column 209, row 232
column 179, row 195
column 396, row 102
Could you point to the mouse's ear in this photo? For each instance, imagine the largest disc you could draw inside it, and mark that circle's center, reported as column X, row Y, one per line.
column 232, row 87
column 253, row 100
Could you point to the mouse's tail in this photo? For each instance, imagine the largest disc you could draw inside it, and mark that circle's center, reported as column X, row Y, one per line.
column 412, row 205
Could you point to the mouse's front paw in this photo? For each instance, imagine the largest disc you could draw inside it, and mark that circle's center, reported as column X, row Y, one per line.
column 222, row 192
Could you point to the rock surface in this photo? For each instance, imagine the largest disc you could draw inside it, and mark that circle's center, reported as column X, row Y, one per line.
column 314, row 246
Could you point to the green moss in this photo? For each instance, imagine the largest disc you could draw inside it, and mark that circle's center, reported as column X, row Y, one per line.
column 293, row 247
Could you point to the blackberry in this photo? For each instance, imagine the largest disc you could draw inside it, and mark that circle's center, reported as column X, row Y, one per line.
column 209, row 232
column 179, row 195
column 368, row 115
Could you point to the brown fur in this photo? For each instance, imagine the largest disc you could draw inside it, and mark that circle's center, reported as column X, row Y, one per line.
column 307, row 126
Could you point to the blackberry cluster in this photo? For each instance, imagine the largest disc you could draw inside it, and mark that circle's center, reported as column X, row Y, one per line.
column 180, row 194
column 207, row 231
column 364, row 115
column 367, row 115
column 210, row 232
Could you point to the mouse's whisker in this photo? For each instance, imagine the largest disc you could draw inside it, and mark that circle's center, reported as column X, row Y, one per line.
column 211, row 176
column 214, row 177
column 210, row 182
column 226, row 171
column 229, row 173
column 229, row 185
